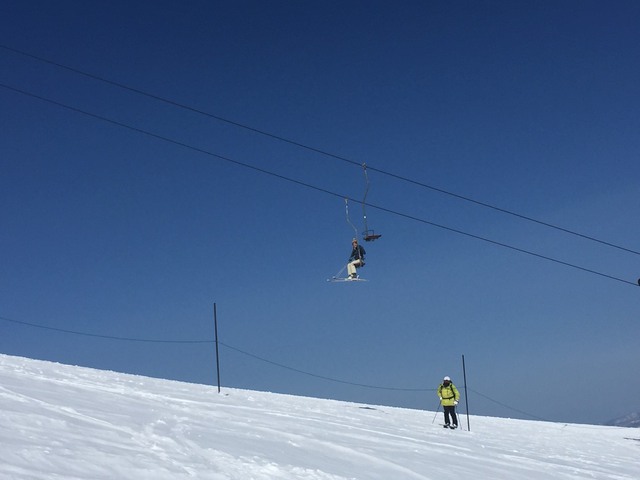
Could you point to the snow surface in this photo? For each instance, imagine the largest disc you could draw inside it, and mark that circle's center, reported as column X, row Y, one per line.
column 63, row 422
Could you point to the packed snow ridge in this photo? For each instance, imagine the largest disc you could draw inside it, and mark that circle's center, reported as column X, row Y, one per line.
column 65, row 422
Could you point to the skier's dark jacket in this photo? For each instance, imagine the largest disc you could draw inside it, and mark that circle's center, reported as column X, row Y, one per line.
column 357, row 253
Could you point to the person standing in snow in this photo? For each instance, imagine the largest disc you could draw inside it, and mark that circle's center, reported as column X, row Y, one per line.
column 449, row 397
column 356, row 260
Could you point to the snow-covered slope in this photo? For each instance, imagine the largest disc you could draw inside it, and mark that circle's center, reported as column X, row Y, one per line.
column 66, row 422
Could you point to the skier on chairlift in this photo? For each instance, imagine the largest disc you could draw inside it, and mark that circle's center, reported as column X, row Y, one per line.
column 356, row 260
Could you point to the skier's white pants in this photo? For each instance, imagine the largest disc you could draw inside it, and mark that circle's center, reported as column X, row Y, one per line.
column 351, row 266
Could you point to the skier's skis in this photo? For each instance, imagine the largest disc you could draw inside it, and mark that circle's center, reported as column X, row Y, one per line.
column 346, row 279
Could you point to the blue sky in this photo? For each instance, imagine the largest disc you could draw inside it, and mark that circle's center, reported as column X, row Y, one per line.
column 114, row 232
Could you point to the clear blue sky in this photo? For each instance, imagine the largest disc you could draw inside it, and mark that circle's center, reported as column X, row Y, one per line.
column 529, row 107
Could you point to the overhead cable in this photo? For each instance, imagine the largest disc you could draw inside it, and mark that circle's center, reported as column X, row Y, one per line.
column 256, row 357
column 305, row 184
column 316, row 150
column 323, row 377
column 147, row 340
column 107, row 337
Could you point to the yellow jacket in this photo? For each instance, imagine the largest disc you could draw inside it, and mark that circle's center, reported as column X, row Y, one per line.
column 448, row 394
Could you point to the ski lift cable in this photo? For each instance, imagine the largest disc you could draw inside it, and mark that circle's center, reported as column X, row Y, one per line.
column 298, row 182
column 307, row 147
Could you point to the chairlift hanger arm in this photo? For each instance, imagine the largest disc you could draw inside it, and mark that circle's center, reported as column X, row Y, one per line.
column 364, row 199
column 346, row 208
column 368, row 235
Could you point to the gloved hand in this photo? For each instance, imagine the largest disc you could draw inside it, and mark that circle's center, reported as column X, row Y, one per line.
column 455, row 402
column 440, row 398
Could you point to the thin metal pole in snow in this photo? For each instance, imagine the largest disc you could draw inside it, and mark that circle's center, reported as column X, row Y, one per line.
column 215, row 326
column 466, row 396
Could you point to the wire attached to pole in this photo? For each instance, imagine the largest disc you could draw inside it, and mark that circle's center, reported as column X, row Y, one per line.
column 346, row 208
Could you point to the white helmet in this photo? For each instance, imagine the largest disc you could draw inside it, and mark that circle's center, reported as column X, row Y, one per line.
column 447, row 379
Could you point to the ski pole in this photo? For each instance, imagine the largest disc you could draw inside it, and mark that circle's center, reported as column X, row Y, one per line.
column 436, row 414
column 455, row 412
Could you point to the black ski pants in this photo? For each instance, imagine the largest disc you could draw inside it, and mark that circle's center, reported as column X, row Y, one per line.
column 450, row 411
